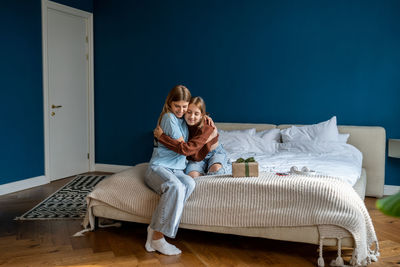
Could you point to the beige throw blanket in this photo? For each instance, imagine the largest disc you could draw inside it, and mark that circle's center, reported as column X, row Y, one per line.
column 265, row 201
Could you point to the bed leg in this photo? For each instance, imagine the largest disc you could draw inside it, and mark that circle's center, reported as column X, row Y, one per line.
column 96, row 223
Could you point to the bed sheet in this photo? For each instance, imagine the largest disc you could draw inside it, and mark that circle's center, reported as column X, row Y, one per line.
column 326, row 158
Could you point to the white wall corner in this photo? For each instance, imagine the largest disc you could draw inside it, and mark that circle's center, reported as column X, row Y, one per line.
column 22, row 185
column 111, row 168
column 390, row 190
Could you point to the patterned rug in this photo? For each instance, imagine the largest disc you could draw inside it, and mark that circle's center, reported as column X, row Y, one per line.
column 69, row 202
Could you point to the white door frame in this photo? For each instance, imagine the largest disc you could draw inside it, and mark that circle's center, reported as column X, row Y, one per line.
column 89, row 16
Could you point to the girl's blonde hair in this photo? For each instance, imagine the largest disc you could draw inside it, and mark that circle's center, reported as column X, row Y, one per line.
column 200, row 104
column 178, row 93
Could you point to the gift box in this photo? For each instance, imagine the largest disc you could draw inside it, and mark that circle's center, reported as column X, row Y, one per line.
column 245, row 168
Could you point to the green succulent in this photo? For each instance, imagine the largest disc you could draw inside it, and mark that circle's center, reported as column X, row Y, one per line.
column 390, row 205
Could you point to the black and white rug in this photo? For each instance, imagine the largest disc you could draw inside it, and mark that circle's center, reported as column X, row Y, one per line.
column 69, row 202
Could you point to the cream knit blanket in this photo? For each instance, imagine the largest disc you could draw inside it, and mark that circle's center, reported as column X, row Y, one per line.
column 265, row 201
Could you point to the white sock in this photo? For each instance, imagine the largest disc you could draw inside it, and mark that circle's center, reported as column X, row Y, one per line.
column 162, row 246
column 150, row 233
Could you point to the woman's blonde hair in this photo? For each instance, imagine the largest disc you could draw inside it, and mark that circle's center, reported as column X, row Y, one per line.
column 200, row 104
column 178, row 93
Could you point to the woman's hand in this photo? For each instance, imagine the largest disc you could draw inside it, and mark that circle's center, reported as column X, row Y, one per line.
column 209, row 121
column 158, row 132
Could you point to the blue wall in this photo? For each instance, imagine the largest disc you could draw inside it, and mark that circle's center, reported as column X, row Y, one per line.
column 319, row 58
column 86, row 5
column 252, row 61
column 21, row 90
column 21, row 96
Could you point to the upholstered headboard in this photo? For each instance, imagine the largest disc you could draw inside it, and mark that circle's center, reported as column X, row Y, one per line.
column 370, row 140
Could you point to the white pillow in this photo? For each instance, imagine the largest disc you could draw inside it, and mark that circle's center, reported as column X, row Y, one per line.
column 342, row 138
column 270, row 136
column 250, row 131
column 247, row 141
column 240, row 142
column 324, row 131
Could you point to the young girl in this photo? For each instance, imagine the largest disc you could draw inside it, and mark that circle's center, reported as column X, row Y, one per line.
column 166, row 177
column 205, row 154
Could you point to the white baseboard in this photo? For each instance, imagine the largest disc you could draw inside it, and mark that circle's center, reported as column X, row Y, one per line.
column 110, row 168
column 390, row 190
column 22, row 185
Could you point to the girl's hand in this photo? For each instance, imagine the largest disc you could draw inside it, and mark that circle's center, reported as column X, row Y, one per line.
column 213, row 135
column 158, row 132
column 209, row 121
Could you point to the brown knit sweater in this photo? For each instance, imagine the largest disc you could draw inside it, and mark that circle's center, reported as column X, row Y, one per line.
column 196, row 148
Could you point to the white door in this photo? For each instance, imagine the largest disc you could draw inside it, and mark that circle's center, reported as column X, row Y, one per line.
column 68, row 76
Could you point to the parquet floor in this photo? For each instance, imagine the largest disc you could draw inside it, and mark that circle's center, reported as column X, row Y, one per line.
column 50, row 243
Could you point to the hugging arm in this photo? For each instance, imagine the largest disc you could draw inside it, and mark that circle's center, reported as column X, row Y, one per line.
column 209, row 121
column 189, row 148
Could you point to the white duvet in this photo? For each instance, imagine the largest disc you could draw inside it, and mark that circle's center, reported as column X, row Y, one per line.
column 327, row 158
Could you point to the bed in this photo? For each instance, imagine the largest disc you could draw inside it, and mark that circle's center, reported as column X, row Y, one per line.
column 108, row 200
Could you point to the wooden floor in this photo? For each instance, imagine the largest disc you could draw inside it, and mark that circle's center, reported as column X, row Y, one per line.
column 50, row 243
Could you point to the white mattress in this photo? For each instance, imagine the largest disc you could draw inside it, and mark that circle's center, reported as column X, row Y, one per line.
column 327, row 158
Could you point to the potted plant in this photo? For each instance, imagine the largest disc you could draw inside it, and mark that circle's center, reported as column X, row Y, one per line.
column 390, row 205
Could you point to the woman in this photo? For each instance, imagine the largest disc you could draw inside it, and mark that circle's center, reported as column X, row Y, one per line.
column 205, row 154
column 166, row 177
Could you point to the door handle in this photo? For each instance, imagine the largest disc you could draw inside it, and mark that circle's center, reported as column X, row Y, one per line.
column 54, row 106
